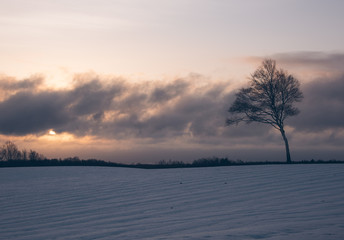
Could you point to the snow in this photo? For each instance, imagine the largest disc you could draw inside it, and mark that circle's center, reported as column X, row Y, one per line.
column 246, row 202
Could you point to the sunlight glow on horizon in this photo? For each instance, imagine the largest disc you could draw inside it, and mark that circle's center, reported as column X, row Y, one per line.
column 52, row 132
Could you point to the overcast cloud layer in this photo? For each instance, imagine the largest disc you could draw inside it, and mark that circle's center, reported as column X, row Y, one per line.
column 192, row 108
column 115, row 108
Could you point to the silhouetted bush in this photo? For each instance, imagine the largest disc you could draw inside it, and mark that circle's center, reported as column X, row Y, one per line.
column 211, row 162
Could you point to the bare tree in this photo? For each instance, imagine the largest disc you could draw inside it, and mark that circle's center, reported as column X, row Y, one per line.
column 9, row 151
column 24, row 154
column 33, row 155
column 268, row 99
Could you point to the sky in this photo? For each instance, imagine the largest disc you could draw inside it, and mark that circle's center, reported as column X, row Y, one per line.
column 150, row 80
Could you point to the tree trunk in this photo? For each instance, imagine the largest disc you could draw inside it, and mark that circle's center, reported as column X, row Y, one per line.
column 286, row 145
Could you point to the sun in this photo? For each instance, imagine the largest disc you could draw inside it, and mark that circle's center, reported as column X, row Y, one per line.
column 52, row 132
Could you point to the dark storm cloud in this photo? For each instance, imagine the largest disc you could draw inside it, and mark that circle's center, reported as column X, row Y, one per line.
column 30, row 112
column 168, row 110
column 118, row 109
column 92, row 97
column 169, row 91
column 322, row 107
column 25, row 112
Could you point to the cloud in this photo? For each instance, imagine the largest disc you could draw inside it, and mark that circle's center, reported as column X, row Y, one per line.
column 306, row 65
column 32, row 111
column 324, row 60
column 26, row 113
column 322, row 107
column 178, row 108
column 182, row 113
column 117, row 109
column 11, row 84
column 163, row 93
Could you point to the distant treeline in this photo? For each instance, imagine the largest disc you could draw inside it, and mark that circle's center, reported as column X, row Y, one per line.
column 204, row 162
column 11, row 156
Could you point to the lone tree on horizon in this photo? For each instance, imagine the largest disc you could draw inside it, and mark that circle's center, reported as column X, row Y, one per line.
column 268, row 99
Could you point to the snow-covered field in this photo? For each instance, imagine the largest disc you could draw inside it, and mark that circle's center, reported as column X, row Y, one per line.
column 246, row 202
